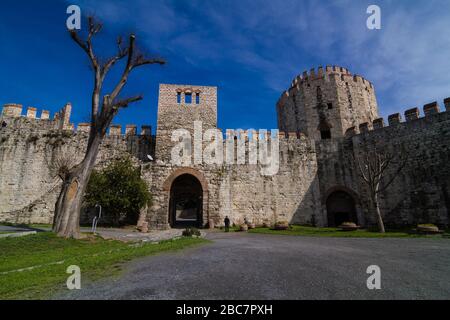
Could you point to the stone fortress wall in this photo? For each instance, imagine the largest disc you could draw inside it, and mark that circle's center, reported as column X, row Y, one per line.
column 29, row 148
column 324, row 117
column 235, row 190
column 339, row 112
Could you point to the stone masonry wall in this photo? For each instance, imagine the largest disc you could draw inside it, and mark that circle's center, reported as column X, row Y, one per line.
column 241, row 191
column 330, row 97
column 176, row 114
column 29, row 148
column 421, row 192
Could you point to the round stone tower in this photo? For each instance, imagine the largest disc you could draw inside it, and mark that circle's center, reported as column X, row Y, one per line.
column 327, row 103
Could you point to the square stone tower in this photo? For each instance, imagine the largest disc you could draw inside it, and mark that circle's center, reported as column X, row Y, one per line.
column 178, row 107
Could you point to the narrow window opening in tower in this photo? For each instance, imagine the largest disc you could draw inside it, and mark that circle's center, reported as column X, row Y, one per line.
column 179, row 97
column 197, row 98
column 188, row 98
column 325, row 134
column 330, row 105
column 325, row 129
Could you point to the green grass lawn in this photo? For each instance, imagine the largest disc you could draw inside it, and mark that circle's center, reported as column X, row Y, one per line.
column 334, row 232
column 23, row 225
column 96, row 257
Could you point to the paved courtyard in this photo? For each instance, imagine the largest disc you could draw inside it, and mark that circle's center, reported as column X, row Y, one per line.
column 251, row 266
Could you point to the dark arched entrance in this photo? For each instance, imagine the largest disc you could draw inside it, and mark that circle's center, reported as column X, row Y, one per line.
column 186, row 202
column 341, row 208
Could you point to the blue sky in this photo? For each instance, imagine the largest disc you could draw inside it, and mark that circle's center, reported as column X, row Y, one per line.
column 250, row 49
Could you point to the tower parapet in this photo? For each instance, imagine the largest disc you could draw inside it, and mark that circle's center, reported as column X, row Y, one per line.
column 179, row 106
column 61, row 119
column 447, row 104
column 325, row 103
column 412, row 116
column 12, row 110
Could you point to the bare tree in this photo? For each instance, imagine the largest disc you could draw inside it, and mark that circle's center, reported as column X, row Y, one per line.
column 103, row 110
column 372, row 166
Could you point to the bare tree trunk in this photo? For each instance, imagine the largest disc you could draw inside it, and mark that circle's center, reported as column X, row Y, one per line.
column 75, row 180
column 67, row 209
column 378, row 213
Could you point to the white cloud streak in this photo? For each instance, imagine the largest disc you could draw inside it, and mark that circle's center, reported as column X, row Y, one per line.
column 407, row 60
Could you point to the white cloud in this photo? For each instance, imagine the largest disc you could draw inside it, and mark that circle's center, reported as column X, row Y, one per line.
column 408, row 60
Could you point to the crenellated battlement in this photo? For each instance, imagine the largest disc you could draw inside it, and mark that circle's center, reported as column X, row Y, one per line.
column 410, row 115
column 262, row 134
column 15, row 110
column 61, row 121
column 324, row 103
column 327, row 73
column 327, row 118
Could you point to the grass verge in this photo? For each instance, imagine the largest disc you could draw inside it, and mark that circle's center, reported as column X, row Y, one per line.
column 96, row 257
column 334, row 232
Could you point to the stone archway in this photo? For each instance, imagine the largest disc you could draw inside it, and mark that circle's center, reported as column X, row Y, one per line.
column 186, row 192
column 186, row 202
column 341, row 206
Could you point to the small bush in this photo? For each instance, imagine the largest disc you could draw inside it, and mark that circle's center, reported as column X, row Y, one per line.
column 191, row 232
column 426, row 225
column 348, row 226
column 243, row 227
column 281, row 225
column 120, row 190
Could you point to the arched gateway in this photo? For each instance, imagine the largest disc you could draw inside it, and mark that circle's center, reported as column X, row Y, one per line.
column 187, row 192
column 186, row 202
column 341, row 208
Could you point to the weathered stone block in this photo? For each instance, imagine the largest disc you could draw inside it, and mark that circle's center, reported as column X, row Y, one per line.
column 115, row 130
column 394, row 119
column 447, row 104
column 130, row 130
column 378, row 123
column 12, row 110
column 364, row 127
column 84, row 127
column 45, row 115
column 31, row 112
column 431, row 108
column 412, row 114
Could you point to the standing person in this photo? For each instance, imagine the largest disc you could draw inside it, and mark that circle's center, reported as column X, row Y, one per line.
column 227, row 224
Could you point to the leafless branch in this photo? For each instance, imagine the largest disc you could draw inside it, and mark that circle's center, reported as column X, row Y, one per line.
column 102, row 114
column 123, row 103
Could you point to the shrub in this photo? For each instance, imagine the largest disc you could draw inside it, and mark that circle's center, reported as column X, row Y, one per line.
column 243, row 227
column 281, row 225
column 427, row 228
column 191, row 232
column 120, row 190
column 348, row 226
column 426, row 225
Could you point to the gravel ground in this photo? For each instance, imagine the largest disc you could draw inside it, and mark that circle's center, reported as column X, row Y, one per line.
column 253, row 266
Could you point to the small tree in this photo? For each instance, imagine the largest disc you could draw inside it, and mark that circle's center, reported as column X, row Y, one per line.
column 372, row 166
column 120, row 190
